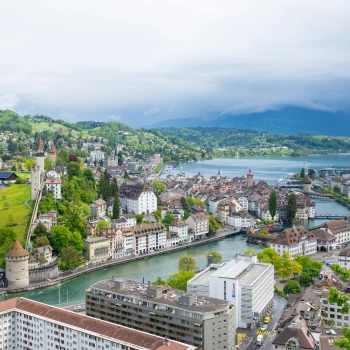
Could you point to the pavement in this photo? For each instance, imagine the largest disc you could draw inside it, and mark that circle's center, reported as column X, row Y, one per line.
column 248, row 336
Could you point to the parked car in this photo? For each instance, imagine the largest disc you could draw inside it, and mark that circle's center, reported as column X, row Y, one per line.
column 263, row 327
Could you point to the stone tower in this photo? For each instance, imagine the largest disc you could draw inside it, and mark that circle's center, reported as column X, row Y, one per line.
column 250, row 177
column 37, row 171
column 17, row 268
column 307, row 184
column 52, row 156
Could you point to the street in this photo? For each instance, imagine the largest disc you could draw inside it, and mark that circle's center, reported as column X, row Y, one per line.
column 249, row 340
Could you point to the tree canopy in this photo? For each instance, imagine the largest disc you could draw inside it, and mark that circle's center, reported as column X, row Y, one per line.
column 273, row 203
column 292, row 287
column 213, row 256
column 187, row 263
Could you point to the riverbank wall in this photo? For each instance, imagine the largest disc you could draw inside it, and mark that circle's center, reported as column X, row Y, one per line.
column 66, row 276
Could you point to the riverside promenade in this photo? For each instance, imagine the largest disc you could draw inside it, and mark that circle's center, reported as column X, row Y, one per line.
column 81, row 270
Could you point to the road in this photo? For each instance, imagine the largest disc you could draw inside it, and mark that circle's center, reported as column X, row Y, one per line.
column 279, row 305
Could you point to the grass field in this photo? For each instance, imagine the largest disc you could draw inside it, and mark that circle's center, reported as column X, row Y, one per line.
column 16, row 212
column 40, row 127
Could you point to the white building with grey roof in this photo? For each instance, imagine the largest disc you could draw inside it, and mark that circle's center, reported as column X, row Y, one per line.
column 243, row 281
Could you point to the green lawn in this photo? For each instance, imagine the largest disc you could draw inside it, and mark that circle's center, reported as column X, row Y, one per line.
column 40, row 127
column 17, row 212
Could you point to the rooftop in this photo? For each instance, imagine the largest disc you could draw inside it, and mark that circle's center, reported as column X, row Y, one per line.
column 169, row 296
column 16, row 251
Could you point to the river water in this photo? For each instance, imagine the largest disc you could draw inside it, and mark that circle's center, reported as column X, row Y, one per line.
column 268, row 169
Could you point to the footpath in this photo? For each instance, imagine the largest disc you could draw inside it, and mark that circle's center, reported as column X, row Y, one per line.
column 68, row 275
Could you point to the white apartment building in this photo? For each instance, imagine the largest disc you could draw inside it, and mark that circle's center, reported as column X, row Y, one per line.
column 54, row 186
column 97, row 155
column 98, row 208
column 214, row 203
column 28, row 324
column 137, row 198
column 127, row 220
column 243, row 281
column 128, row 241
column 296, row 241
column 199, row 224
column 344, row 257
column 240, row 219
column 243, row 201
column 178, row 233
column 338, row 228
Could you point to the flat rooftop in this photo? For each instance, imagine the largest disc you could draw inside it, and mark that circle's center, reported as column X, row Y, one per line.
column 169, row 297
column 202, row 277
column 252, row 273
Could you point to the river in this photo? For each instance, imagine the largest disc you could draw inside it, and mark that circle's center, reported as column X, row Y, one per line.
column 268, row 169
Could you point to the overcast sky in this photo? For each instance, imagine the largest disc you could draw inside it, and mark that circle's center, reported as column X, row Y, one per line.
column 143, row 61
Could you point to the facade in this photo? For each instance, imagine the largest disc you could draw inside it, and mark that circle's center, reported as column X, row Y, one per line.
column 137, row 198
column 296, row 241
column 41, row 256
column 344, row 257
column 240, row 219
column 28, row 324
column 96, row 249
column 307, row 184
column 17, row 266
column 243, row 281
column 201, row 321
column 338, row 228
column 8, row 176
column 97, row 155
column 115, row 238
column 127, row 220
column 98, row 208
column 325, row 240
column 178, row 233
column 52, row 156
column 198, row 224
column 54, row 186
column 223, row 212
column 37, row 171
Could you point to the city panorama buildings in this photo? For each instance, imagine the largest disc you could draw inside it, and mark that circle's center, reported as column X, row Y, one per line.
column 27, row 324
column 205, row 322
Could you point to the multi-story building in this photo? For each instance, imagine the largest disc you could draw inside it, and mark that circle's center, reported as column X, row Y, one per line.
column 204, row 322
column 96, row 249
column 344, row 257
column 223, row 212
column 296, row 241
column 240, row 219
column 178, row 233
column 338, row 228
column 54, row 186
column 128, row 241
column 137, row 198
column 125, row 220
column 98, row 208
column 243, row 281
column 115, row 238
column 28, row 324
column 198, row 224
column 97, row 155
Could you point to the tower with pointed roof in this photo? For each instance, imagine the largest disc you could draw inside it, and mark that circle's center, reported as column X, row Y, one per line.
column 17, row 266
column 52, row 155
column 37, row 171
column 307, row 184
column 250, row 178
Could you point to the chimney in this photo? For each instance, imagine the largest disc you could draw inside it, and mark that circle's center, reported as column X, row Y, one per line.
column 149, row 283
column 166, row 342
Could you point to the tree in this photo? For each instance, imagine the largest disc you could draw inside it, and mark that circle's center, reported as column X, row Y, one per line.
column 187, row 263
column 291, row 208
column 139, row 218
column 42, row 241
column 268, row 256
column 159, row 187
column 7, row 237
column 14, row 167
column 295, row 268
column 213, row 225
column 292, row 287
column 126, row 176
column 70, row 258
column 305, row 279
column 336, row 188
column 40, row 230
column 311, row 267
column 302, row 173
column 273, row 204
column 185, row 205
column 73, row 218
column 263, row 232
column 179, row 279
column 213, row 256
column 101, row 225
column 6, row 205
column 61, row 237
column 159, row 281
column 250, row 251
column 116, row 208
column 283, row 272
column 73, row 169
column 168, row 219
column 29, row 163
column 114, row 188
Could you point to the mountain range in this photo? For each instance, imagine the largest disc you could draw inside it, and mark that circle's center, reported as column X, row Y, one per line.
column 289, row 120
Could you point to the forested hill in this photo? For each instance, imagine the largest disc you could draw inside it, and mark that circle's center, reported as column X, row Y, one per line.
column 289, row 120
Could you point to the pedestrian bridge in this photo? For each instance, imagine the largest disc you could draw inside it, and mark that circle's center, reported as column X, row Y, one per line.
column 331, row 216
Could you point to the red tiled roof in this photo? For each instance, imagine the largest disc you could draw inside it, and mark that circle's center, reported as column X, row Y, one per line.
column 16, row 251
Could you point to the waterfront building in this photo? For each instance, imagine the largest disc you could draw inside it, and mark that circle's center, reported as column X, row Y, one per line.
column 250, row 179
column 149, row 237
column 17, row 266
column 198, row 225
column 54, row 186
column 243, row 281
column 98, row 208
column 115, row 238
column 241, row 219
column 204, row 322
column 296, row 241
column 28, row 324
column 178, row 233
column 41, row 256
column 137, row 198
column 96, row 249
column 128, row 241
column 37, row 171
column 338, row 228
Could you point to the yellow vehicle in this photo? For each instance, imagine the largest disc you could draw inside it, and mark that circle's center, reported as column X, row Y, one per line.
column 267, row 319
